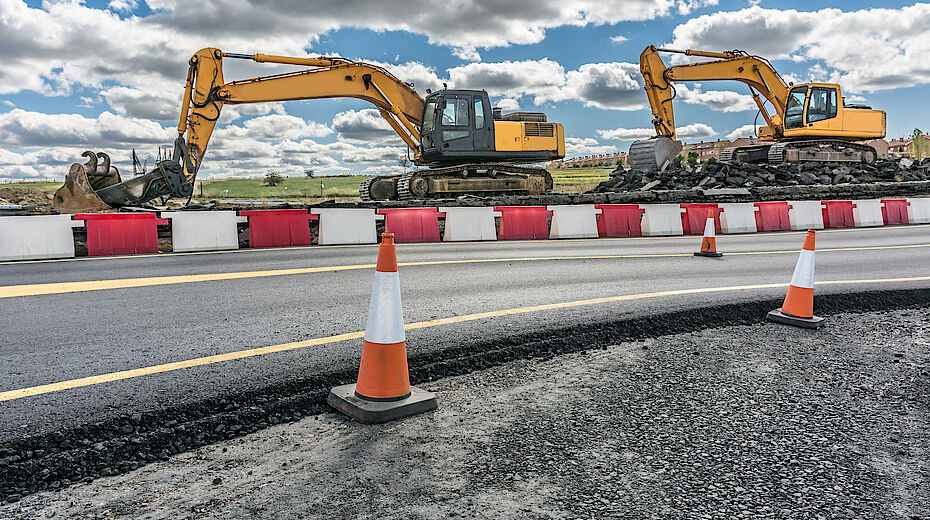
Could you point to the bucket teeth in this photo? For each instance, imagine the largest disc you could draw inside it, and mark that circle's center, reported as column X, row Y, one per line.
column 653, row 154
column 77, row 195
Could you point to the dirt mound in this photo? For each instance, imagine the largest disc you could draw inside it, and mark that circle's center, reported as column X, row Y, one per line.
column 25, row 197
column 741, row 175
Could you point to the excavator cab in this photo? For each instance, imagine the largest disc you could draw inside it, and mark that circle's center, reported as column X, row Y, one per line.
column 457, row 124
column 819, row 110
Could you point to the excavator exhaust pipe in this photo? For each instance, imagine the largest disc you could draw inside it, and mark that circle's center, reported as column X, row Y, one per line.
column 655, row 153
column 96, row 186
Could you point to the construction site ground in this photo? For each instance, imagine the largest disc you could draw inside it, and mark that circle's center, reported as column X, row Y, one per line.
column 753, row 421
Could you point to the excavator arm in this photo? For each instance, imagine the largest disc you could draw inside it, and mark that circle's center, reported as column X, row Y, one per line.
column 757, row 73
column 763, row 82
column 206, row 92
column 87, row 188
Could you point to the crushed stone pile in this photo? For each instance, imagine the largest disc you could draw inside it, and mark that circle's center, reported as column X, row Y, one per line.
column 711, row 175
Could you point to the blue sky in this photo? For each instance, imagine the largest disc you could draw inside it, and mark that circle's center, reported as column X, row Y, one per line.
column 108, row 75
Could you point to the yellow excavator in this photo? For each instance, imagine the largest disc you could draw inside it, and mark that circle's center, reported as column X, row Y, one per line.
column 811, row 122
column 465, row 145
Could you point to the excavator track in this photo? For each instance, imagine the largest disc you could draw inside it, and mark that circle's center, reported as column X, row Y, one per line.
column 821, row 150
column 453, row 181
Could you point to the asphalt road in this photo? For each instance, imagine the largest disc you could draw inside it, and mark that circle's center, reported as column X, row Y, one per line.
column 49, row 338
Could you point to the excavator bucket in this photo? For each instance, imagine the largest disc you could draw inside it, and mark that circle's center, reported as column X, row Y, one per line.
column 655, row 153
column 77, row 195
column 90, row 188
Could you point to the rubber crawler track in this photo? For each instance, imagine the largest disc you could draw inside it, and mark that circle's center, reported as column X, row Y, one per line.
column 117, row 446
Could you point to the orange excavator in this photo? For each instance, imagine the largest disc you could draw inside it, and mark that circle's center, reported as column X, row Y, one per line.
column 465, row 145
column 810, row 122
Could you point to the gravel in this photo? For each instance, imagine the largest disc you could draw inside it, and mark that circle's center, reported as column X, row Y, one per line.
column 748, row 421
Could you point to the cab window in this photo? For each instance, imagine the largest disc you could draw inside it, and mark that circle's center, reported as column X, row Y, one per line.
column 429, row 117
column 822, row 104
column 455, row 112
column 794, row 111
column 479, row 112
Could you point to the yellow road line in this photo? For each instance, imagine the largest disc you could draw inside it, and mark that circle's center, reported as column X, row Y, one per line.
column 12, row 291
column 219, row 358
column 440, row 244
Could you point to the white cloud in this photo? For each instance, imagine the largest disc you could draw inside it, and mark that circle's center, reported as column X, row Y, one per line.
column 864, row 50
column 743, row 131
column 541, row 78
column 692, row 131
column 581, row 146
column 123, row 6
column 719, row 100
column 618, row 39
column 19, row 128
column 366, row 126
column 466, row 53
column 508, row 104
column 616, row 86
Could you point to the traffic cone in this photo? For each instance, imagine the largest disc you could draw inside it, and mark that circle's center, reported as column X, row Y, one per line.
column 383, row 392
column 709, row 243
column 798, row 309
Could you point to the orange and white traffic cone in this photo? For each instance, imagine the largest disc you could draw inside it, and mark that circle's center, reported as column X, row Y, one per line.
column 709, row 242
column 383, row 392
column 798, row 309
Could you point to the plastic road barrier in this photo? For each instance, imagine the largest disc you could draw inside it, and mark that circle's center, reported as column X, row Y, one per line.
column 805, row 214
column 662, row 219
column 412, row 224
column 204, row 230
column 467, row 224
column 347, row 226
column 838, row 214
column 35, row 237
column 894, row 211
column 578, row 221
column 868, row 213
column 620, row 220
column 523, row 222
column 918, row 211
column 694, row 217
column 738, row 217
column 121, row 233
column 278, row 227
column 772, row 216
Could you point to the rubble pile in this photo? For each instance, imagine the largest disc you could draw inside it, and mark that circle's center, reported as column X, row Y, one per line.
column 711, row 175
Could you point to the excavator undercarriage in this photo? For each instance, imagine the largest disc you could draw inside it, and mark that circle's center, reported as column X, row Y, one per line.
column 453, row 181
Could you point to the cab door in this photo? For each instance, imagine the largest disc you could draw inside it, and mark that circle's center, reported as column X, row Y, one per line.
column 483, row 123
column 821, row 108
column 456, row 130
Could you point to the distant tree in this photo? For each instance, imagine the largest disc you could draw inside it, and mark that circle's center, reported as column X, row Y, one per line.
column 920, row 145
column 273, row 178
column 309, row 172
column 693, row 158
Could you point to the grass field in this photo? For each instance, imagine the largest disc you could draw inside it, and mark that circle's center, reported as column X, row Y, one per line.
column 574, row 180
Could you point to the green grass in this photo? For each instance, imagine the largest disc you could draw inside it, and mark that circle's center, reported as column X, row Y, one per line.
column 568, row 180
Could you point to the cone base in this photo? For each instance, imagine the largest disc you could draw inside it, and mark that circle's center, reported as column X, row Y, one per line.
column 713, row 254
column 343, row 398
column 814, row 322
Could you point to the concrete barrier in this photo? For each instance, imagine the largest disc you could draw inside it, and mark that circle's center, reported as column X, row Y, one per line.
column 347, row 226
column 805, row 214
column 918, row 211
column 738, row 217
column 573, row 221
column 469, row 224
column 662, row 219
column 37, row 237
column 204, row 230
column 868, row 213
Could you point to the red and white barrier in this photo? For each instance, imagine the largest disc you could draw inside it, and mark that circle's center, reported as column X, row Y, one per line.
column 805, row 214
column 37, row 237
column 662, row 220
column 868, row 213
column 578, row 221
column 738, row 217
column 204, row 230
column 347, row 226
column 469, row 224
column 918, row 211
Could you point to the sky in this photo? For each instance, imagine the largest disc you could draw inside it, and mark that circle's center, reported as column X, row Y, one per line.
column 107, row 75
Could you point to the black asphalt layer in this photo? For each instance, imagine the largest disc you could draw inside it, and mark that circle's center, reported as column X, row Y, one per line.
column 51, row 338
